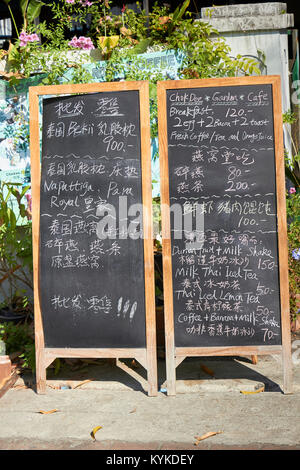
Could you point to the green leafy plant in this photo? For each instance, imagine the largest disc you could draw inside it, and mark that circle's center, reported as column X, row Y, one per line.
column 205, row 53
column 292, row 172
column 43, row 48
column 30, row 10
column 15, row 249
column 19, row 339
column 292, row 162
column 293, row 214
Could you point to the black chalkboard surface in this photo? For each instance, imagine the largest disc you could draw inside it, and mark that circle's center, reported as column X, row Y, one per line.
column 93, row 265
column 91, row 287
column 225, row 256
column 222, row 157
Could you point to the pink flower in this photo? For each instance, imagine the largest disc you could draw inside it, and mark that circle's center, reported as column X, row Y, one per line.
column 70, row 1
column 292, row 191
column 32, row 37
column 82, row 43
column 26, row 38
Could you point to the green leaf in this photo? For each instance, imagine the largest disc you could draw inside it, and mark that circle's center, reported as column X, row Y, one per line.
column 152, row 91
column 8, row 194
column 257, row 70
column 12, row 218
column 24, row 191
column 31, row 9
column 180, row 10
column 22, row 210
column 13, row 54
column 142, row 46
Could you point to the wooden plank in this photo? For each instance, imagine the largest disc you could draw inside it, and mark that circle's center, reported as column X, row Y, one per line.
column 229, row 351
column 69, row 89
column 143, row 362
column 166, row 239
column 217, row 82
column 144, row 383
column 35, row 191
column 45, row 356
column 95, row 353
column 282, row 238
column 254, row 359
column 179, row 360
column 148, row 241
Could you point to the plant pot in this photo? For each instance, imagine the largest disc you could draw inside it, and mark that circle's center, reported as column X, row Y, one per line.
column 7, row 315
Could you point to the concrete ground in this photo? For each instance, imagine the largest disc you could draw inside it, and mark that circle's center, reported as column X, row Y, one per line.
column 210, row 398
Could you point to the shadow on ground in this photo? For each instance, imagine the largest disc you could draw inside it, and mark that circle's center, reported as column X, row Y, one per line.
column 192, row 374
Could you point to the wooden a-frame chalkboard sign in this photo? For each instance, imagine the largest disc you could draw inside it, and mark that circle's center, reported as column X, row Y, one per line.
column 94, row 291
column 225, row 259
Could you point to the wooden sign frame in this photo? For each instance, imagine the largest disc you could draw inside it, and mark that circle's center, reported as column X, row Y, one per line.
column 145, row 356
column 175, row 355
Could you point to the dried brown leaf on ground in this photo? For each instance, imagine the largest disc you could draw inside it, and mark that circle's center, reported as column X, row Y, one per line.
column 206, row 436
column 82, row 383
column 259, row 390
column 55, row 387
column 96, row 429
column 48, row 412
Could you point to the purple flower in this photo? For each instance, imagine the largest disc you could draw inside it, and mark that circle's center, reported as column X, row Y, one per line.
column 26, row 38
column 82, row 43
column 296, row 254
column 292, row 191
